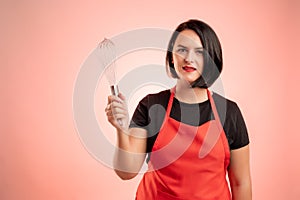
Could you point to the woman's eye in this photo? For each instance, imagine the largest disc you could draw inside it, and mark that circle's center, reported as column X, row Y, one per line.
column 181, row 50
column 199, row 52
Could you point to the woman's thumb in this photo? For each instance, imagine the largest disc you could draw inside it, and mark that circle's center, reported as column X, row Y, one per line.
column 122, row 96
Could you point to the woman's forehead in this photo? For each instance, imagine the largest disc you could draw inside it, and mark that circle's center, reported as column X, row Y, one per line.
column 188, row 38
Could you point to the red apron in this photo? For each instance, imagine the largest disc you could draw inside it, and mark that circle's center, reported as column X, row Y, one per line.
column 187, row 162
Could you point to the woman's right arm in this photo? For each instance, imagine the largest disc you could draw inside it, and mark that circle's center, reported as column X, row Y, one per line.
column 130, row 152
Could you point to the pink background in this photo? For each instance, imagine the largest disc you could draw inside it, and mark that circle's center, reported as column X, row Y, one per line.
column 44, row 43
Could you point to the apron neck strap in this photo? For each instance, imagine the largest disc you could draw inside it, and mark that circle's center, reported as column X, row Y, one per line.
column 173, row 90
column 214, row 109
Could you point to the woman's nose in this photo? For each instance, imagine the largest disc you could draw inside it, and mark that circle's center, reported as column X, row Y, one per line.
column 189, row 57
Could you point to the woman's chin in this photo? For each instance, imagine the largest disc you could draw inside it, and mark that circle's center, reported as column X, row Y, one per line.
column 186, row 82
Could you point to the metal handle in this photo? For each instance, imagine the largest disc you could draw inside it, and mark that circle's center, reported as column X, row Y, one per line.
column 115, row 91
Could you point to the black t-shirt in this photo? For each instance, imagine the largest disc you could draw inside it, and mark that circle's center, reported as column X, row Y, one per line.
column 151, row 110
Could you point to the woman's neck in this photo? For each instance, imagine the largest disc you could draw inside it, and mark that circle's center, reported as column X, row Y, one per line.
column 187, row 94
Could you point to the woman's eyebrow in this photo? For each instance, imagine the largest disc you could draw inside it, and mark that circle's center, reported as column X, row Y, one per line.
column 182, row 46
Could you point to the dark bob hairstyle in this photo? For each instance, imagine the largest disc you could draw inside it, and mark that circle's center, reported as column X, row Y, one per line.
column 213, row 62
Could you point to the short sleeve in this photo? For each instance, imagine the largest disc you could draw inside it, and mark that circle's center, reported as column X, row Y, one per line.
column 237, row 131
column 140, row 117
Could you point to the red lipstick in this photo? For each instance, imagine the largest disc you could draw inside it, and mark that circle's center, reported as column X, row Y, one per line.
column 189, row 68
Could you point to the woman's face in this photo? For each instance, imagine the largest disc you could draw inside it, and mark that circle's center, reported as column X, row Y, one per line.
column 188, row 56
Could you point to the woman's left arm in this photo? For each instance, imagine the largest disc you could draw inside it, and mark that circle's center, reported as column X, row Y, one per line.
column 239, row 174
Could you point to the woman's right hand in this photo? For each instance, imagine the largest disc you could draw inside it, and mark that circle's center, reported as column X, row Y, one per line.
column 117, row 112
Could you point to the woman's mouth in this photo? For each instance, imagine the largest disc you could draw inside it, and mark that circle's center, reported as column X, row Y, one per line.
column 188, row 68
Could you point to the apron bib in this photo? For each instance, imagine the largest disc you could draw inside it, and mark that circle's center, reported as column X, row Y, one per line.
column 187, row 162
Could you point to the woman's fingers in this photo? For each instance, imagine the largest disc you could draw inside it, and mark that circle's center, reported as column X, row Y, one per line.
column 122, row 97
column 113, row 98
column 118, row 106
column 116, row 110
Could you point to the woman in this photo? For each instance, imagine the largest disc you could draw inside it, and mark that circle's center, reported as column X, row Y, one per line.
column 190, row 148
